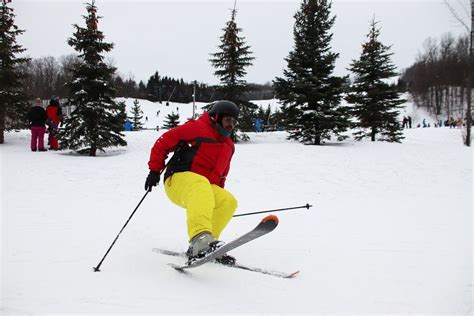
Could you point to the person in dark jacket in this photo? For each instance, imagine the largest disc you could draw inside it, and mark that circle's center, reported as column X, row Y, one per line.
column 195, row 176
column 54, row 119
column 37, row 119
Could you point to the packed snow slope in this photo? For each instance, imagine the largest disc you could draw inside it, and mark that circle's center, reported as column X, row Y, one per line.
column 390, row 230
column 154, row 113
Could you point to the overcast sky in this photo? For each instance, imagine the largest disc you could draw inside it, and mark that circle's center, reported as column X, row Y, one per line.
column 176, row 37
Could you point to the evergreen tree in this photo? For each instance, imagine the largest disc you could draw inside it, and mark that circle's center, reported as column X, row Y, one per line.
column 13, row 102
column 375, row 102
column 171, row 121
column 261, row 113
column 230, row 63
column 277, row 120
column 310, row 95
column 142, row 90
column 97, row 121
column 137, row 116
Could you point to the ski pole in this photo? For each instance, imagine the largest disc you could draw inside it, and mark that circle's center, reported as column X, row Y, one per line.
column 96, row 269
column 307, row 206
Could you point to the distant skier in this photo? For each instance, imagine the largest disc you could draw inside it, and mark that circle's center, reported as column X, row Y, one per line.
column 405, row 122
column 452, row 124
column 258, row 125
column 54, row 119
column 195, row 176
column 37, row 118
column 425, row 124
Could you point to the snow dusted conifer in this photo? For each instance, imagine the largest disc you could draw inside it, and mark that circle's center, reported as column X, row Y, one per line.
column 97, row 121
column 310, row 94
column 13, row 102
column 230, row 62
column 137, row 116
column 375, row 101
column 171, row 120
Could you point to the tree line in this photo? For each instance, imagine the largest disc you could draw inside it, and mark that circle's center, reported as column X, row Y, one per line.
column 438, row 80
column 47, row 76
column 311, row 94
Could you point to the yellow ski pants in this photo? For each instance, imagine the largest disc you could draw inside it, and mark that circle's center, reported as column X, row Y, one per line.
column 208, row 206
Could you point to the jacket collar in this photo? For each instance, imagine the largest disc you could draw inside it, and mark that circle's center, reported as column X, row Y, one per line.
column 206, row 119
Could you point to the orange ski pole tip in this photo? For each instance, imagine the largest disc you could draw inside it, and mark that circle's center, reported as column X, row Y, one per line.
column 272, row 217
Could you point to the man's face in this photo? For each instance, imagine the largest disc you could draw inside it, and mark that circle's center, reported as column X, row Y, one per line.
column 229, row 123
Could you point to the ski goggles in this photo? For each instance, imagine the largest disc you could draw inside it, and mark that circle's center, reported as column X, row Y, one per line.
column 230, row 120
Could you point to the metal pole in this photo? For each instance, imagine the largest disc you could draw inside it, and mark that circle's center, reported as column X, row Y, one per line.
column 194, row 100
column 97, row 269
column 307, row 206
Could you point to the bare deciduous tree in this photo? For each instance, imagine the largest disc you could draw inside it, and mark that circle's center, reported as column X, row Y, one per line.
column 459, row 10
column 437, row 80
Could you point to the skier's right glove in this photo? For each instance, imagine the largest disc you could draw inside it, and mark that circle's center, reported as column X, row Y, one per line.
column 152, row 180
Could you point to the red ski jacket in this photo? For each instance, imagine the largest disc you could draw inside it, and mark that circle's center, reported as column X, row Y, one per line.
column 54, row 113
column 198, row 147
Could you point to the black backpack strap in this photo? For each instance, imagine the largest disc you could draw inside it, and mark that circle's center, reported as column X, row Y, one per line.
column 184, row 153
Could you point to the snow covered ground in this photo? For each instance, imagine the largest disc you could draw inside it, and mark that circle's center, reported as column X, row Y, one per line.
column 390, row 230
column 154, row 113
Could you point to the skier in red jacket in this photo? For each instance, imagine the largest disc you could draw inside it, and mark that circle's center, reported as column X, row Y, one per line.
column 195, row 176
column 54, row 119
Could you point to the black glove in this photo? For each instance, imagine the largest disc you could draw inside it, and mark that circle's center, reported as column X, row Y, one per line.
column 152, row 180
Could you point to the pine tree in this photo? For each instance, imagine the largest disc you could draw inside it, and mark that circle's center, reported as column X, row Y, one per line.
column 375, row 102
column 137, row 116
column 13, row 102
column 230, row 62
column 310, row 95
column 261, row 113
column 97, row 121
column 171, row 121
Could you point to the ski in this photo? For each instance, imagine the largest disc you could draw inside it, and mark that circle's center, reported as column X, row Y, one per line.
column 267, row 225
column 279, row 274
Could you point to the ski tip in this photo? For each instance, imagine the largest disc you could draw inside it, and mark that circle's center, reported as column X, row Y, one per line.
column 292, row 275
column 269, row 218
column 177, row 267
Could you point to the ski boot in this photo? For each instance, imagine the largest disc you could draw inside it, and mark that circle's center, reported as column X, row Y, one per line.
column 200, row 245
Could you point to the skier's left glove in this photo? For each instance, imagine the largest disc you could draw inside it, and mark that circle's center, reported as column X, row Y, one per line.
column 152, row 180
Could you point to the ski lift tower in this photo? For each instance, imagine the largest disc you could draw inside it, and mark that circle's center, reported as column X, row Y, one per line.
column 194, row 99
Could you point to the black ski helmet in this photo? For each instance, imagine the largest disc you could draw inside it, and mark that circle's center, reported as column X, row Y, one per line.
column 224, row 108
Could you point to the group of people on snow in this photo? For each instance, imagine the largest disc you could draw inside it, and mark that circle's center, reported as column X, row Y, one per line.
column 406, row 123
column 451, row 122
column 42, row 121
column 454, row 124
